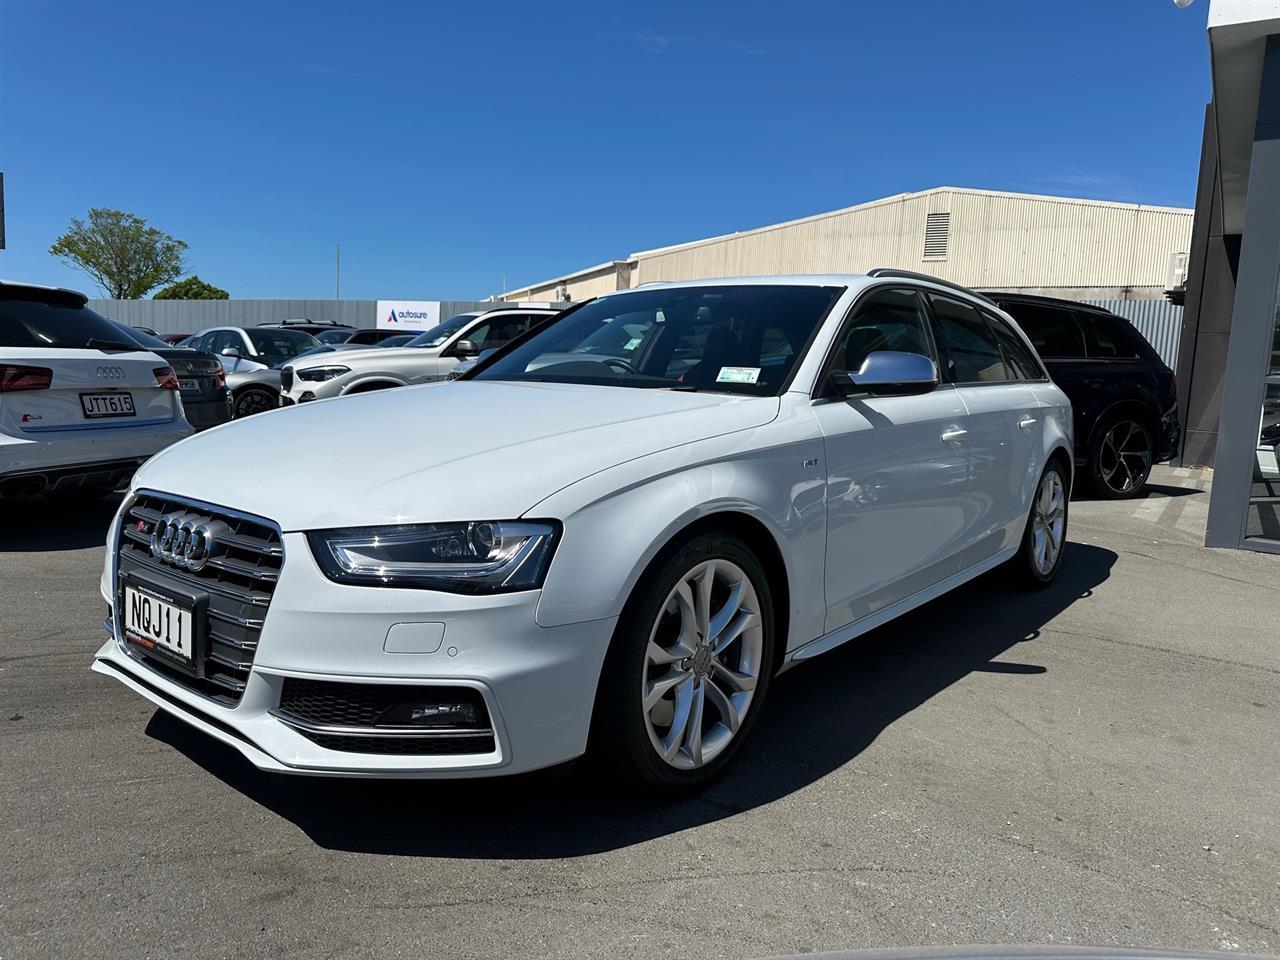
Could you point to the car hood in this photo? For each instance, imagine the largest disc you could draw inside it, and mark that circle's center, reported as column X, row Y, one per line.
column 464, row 450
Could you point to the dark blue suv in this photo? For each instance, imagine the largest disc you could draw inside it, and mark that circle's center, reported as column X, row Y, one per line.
column 1125, row 398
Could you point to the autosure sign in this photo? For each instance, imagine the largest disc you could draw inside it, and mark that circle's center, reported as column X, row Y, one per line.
column 408, row 314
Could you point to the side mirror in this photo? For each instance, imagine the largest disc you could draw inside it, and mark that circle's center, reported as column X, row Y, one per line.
column 888, row 373
column 466, row 348
column 232, row 352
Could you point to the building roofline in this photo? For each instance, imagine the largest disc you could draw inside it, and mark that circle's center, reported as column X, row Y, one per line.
column 899, row 198
column 866, row 205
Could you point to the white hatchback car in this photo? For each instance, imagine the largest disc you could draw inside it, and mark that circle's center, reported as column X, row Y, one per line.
column 427, row 357
column 81, row 405
column 614, row 551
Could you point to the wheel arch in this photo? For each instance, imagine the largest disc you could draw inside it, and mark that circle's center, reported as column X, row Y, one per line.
column 757, row 536
column 1135, row 406
column 374, row 382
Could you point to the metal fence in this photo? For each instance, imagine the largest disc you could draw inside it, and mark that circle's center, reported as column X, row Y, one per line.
column 188, row 316
column 1158, row 320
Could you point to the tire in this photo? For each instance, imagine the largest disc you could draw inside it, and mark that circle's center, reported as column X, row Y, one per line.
column 253, row 400
column 1044, row 538
column 718, row 695
column 1120, row 458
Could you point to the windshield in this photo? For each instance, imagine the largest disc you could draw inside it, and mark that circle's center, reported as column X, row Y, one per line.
column 67, row 326
column 274, row 345
column 727, row 339
column 442, row 332
column 334, row 336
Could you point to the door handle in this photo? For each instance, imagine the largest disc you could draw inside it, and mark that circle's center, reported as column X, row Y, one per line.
column 954, row 434
column 1026, row 423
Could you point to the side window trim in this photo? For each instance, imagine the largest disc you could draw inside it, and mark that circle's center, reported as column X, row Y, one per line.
column 819, row 390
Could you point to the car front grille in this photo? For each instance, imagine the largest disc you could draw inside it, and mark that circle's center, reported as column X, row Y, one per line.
column 238, row 577
column 286, row 378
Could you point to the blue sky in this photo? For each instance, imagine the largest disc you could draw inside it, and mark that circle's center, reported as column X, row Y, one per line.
column 447, row 145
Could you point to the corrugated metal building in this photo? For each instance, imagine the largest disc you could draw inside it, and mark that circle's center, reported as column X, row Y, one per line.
column 1080, row 249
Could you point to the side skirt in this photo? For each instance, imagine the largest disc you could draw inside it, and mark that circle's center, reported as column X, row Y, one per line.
column 856, row 629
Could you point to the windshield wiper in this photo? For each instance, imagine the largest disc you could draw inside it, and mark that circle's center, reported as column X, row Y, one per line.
column 98, row 343
column 683, row 388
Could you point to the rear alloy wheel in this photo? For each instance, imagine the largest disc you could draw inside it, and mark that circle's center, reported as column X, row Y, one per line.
column 1045, row 534
column 253, row 400
column 1121, row 460
column 690, row 667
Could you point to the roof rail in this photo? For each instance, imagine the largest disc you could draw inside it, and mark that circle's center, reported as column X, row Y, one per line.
column 913, row 275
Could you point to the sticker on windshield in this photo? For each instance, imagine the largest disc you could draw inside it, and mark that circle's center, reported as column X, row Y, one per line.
column 738, row 375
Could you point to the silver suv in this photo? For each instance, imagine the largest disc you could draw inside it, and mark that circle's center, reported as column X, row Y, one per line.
column 429, row 356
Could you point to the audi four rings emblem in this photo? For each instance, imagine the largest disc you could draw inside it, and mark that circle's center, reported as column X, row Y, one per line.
column 111, row 373
column 184, row 540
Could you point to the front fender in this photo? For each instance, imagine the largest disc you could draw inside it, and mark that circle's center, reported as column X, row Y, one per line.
column 616, row 521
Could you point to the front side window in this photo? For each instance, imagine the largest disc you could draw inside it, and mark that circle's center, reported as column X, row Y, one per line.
column 1053, row 332
column 221, row 340
column 497, row 332
column 973, row 355
column 1023, row 365
column 885, row 320
column 743, row 338
column 274, row 345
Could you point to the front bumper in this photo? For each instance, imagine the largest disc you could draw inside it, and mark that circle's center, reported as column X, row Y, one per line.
column 537, row 683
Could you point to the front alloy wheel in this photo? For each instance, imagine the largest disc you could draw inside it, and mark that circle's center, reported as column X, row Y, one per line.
column 688, row 668
column 252, row 401
column 702, row 664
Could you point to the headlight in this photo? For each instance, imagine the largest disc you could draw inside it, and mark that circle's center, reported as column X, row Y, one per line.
column 486, row 556
column 322, row 373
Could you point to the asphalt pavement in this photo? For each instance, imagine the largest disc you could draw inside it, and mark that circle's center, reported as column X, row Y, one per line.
column 1095, row 763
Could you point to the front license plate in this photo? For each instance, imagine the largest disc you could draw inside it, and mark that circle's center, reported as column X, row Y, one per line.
column 159, row 625
column 107, row 405
column 189, row 386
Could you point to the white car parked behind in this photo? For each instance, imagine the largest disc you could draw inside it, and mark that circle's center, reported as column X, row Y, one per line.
column 81, row 406
column 610, row 549
column 428, row 357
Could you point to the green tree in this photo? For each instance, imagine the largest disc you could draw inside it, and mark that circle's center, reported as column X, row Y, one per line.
column 192, row 288
column 125, row 257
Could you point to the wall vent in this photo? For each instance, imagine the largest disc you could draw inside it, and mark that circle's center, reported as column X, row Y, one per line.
column 937, row 231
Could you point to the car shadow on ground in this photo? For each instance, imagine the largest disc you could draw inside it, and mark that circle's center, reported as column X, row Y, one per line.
column 816, row 720
column 48, row 523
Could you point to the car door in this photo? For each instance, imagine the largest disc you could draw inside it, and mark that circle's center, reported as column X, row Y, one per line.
column 1004, row 423
column 896, row 468
column 1058, row 338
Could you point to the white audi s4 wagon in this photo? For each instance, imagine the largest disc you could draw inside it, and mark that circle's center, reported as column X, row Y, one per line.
column 607, row 538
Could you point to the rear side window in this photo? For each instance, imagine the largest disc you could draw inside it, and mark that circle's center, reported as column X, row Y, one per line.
column 973, row 355
column 1106, row 338
column 1053, row 332
column 34, row 323
column 1016, row 354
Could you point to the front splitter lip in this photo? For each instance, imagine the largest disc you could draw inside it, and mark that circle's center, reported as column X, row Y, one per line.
column 261, row 738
